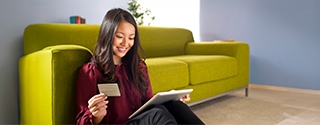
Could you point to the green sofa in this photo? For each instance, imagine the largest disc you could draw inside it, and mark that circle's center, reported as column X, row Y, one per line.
column 53, row 54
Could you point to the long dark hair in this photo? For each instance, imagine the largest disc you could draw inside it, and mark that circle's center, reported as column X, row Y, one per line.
column 103, row 53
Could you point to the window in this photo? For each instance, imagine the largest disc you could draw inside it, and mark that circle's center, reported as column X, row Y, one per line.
column 175, row 13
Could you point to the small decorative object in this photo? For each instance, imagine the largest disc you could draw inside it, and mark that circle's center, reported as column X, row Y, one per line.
column 139, row 12
column 77, row 20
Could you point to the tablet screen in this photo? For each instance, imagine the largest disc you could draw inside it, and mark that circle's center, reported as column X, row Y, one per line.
column 162, row 97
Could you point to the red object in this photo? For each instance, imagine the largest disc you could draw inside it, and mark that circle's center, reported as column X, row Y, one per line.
column 78, row 20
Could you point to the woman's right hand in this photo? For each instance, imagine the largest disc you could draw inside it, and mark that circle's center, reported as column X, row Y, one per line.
column 98, row 107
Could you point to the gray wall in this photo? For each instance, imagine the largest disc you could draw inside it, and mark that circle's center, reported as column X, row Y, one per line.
column 15, row 16
column 283, row 36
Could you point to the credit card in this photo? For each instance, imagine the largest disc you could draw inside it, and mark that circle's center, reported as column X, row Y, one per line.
column 110, row 89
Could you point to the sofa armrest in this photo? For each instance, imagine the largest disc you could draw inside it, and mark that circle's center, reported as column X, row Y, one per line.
column 47, row 84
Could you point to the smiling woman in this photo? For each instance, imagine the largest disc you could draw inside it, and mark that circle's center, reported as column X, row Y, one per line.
column 116, row 59
column 123, row 41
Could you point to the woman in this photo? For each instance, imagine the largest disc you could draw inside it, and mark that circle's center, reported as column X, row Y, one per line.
column 116, row 59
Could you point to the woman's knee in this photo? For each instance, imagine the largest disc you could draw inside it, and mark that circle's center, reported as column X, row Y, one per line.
column 158, row 114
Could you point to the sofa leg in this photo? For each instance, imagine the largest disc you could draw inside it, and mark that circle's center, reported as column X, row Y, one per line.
column 247, row 92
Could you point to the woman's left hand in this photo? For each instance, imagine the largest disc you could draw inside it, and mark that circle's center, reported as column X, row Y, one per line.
column 185, row 98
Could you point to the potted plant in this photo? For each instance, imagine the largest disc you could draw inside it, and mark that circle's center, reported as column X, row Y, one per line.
column 139, row 12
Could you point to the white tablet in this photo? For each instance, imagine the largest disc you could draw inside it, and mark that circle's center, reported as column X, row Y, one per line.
column 162, row 97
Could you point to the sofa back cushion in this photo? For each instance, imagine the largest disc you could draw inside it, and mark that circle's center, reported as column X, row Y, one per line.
column 38, row 36
column 164, row 41
column 156, row 41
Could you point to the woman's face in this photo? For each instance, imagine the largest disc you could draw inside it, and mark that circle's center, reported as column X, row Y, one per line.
column 123, row 40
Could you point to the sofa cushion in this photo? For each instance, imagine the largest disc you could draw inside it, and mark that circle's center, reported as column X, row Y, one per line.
column 39, row 36
column 163, row 41
column 163, row 74
column 206, row 68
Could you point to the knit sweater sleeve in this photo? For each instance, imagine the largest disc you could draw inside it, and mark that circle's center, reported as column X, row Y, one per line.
column 86, row 88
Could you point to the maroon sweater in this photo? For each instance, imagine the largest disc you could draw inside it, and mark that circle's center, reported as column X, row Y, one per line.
column 119, row 108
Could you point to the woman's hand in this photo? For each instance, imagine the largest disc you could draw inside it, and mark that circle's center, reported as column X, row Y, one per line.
column 185, row 98
column 98, row 107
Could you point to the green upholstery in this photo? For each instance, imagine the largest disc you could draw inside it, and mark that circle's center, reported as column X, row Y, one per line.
column 167, row 74
column 59, row 34
column 47, row 80
column 53, row 54
column 164, row 41
column 212, row 67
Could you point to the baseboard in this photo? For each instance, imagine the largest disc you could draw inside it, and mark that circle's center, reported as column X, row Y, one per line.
column 286, row 89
